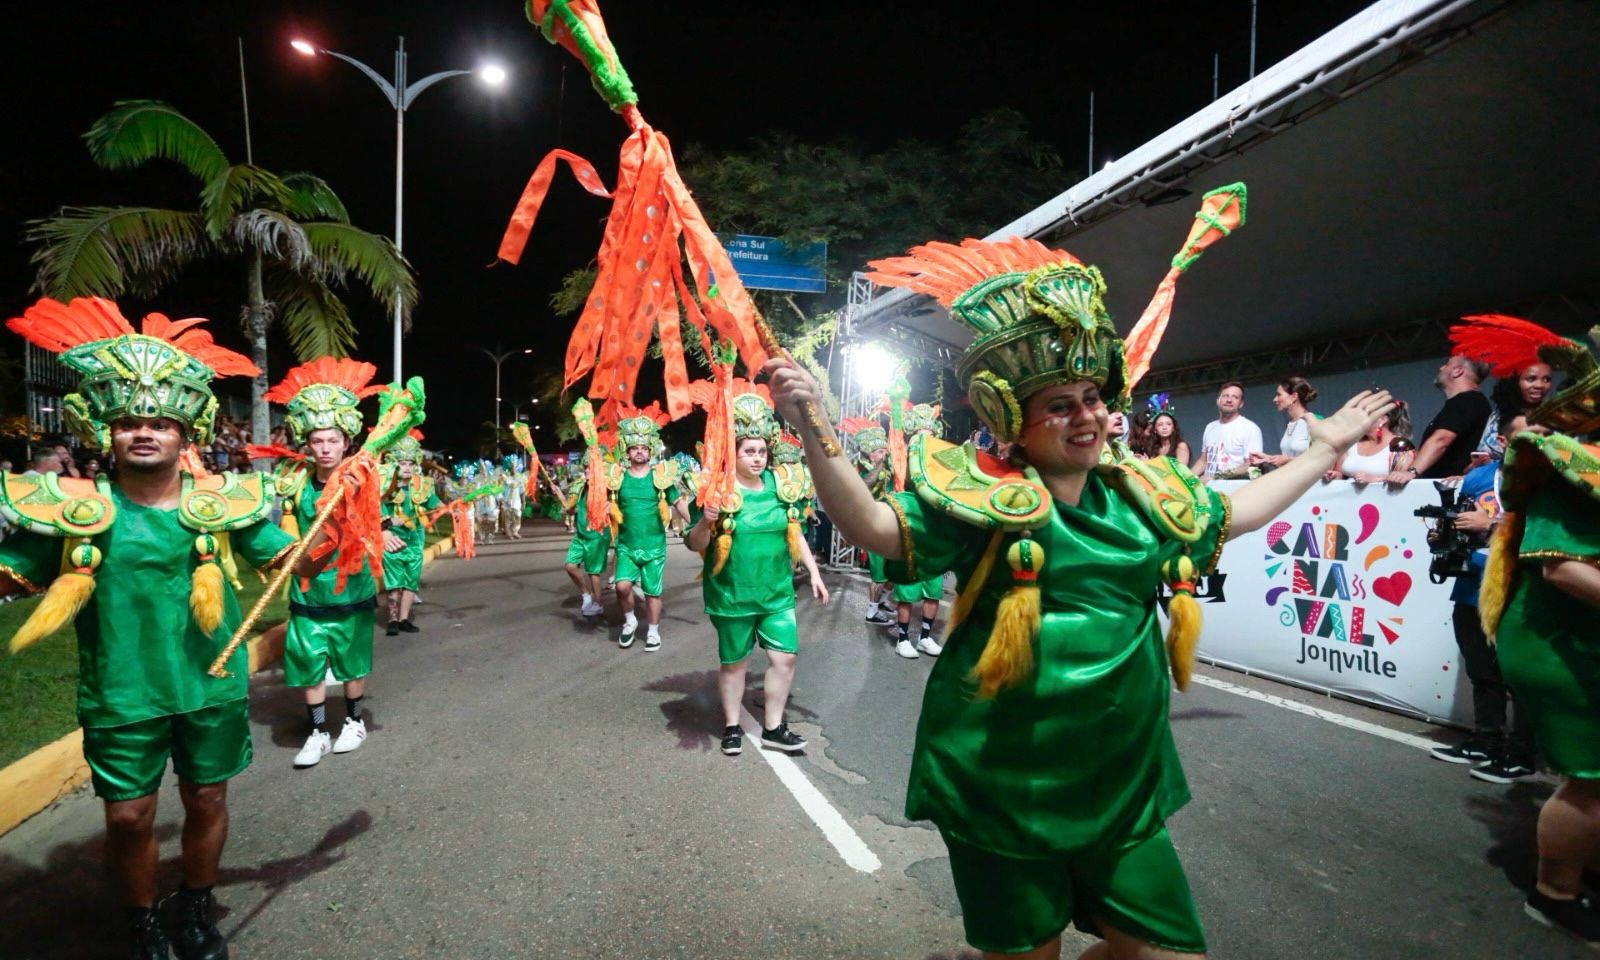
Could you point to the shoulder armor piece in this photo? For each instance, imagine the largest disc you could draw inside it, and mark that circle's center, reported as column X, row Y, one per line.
column 224, row 501
column 614, row 472
column 665, row 474
column 690, row 481
column 289, row 477
column 793, row 483
column 976, row 488
column 55, row 506
column 1165, row 491
column 1531, row 458
column 424, row 488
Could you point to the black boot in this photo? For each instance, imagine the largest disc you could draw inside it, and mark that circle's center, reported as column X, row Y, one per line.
column 198, row 936
column 147, row 941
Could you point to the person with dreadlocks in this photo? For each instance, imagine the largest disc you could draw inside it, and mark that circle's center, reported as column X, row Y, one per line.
column 750, row 545
column 871, row 444
column 645, row 496
column 330, row 624
column 408, row 500
column 136, row 565
column 1043, row 753
column 1539, row 598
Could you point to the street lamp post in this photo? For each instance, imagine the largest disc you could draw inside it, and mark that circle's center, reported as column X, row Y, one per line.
column 401, row 95
column 499, row 357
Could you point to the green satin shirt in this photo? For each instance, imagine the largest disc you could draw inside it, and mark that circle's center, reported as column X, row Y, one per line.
column 1080, row 752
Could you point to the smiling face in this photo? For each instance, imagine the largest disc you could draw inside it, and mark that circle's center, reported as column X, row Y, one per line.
column 1534, row 383
column 1064, row 427
column 752, row 458
column 147, row 445
column 328, row 446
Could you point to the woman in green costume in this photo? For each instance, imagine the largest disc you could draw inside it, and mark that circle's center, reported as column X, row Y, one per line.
column 1539, row 598
column 750, row 547
column 1043, row 752
column 408, row 499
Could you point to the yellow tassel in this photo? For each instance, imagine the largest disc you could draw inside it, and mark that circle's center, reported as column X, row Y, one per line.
column 66, row 596
column 616, row 519
column 664, row 512
column 230, row 563
column 289, row 523
column 1183, row 615
column 205, row 596
column 722, row 545
column 1497, row 575
column 796, row 550
column 1007, row 658
column 1182, row 637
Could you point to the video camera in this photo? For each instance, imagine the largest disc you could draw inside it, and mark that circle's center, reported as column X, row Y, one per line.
column 1451, row 547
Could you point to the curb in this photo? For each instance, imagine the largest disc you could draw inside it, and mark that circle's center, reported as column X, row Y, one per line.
column 35, row 782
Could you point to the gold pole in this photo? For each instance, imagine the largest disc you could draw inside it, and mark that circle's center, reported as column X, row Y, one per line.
column 819, row 427
column 217, row 668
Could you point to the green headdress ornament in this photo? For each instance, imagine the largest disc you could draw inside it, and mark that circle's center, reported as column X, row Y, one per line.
column 787, row 449
column 325, row 393
column 163, row 370
column 866, row 433
column 1039, row 314
column 408, row 447
column 753, row 417
column 642, row 428
column 922, row 416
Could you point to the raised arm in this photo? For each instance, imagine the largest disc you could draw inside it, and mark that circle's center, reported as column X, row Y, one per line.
column 863, row 520
column 1259, row 501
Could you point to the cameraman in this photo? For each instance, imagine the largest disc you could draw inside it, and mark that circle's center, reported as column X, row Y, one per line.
column 1494, row 755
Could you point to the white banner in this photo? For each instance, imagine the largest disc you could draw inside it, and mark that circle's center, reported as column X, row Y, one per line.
column 1334, row 594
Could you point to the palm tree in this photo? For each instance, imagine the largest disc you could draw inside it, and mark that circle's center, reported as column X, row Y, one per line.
column 291, row 231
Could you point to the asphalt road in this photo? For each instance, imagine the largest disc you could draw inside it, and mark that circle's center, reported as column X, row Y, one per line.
column 530, row 790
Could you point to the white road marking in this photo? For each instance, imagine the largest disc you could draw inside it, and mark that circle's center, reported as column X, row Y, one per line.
column 830, row 821
column 1339, row 719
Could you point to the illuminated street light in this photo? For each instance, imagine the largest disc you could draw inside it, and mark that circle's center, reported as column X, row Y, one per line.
column 873, row 367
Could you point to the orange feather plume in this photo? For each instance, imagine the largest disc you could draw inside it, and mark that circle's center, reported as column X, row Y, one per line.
column 945, row 271
column 58, row 327
column 352, row 375
column 1507, row 344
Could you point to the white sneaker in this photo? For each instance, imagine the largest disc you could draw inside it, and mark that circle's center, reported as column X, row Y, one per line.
column 929, row 646
column 592, row 609
column 351, row 737
column 905, row 649
column 625, row 639
column 318, row 745
column 652, row 642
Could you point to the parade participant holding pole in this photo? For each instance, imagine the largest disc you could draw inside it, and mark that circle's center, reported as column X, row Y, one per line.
column 750, row 543
column 1540, row 592
column 871, row 445
column 912, row 421
column 408, row 498
column 1043, row 752
column 644, row 495
column 331, row 615
column 590, row 507
column 137, row 564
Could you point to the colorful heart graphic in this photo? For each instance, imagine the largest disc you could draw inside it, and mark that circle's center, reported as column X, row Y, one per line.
column 1393, row 588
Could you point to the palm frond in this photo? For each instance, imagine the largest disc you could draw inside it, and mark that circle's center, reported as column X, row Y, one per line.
column 135, row 132
column 339, row 250
column 275, row 235
column 310, row 198
column 109, row 251
column 316, row 321
column 239, row 188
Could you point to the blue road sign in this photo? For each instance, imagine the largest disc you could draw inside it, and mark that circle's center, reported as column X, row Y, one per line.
column 764, row 263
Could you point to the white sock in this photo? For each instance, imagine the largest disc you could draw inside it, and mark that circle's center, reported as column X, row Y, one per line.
column 629, row 620
column 654, row 630
column 587, row 599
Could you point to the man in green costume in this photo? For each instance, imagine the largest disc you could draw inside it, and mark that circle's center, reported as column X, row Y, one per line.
column 330, row 630
column 750, row 546
column 142, row 559
column 871, row 445
column 1043, row 752
column 1540, row 592
column 919, row 420
column 408, row 499
column 645, row 495
column 587, row 551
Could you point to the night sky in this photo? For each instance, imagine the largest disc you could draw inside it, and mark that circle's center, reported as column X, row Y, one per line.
column 717, row 72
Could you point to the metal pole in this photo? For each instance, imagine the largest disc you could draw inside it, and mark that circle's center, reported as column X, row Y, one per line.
column 244, row 98
column 497, row 361
column 1253, row 5
column 1216, row 64
column 399, row 184
column 1089, row 171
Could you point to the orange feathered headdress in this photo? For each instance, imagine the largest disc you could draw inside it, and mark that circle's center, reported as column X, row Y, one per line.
column 164, row 369
column 325, row 393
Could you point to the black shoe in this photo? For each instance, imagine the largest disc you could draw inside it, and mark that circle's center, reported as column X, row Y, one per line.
column 409, row 627
column 147, row 940
column 198, row 937
column 732, row 741
column 1502, row 769
column 1473, row 751
column 393, row 630
column 1578, row 916
column 782, row 738
column 879, row 619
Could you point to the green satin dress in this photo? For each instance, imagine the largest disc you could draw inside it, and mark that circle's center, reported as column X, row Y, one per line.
column 1548, row 642
column 1080, row 753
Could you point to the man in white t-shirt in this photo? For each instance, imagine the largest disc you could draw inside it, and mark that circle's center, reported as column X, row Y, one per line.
column 1230, row 439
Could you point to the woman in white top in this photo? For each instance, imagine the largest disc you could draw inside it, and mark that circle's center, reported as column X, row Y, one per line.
column 1293, row 398
column 1384, row 449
